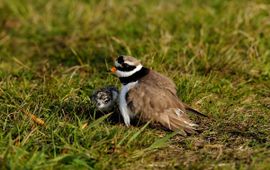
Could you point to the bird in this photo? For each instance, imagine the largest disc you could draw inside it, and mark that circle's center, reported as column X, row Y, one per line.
column 105, row 99
column 150, row 96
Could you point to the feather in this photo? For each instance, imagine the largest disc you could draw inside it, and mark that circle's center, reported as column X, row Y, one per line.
column 188, row 108
column 176, row 122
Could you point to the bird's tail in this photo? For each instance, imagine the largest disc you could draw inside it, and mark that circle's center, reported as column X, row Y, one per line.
column 176, row 120
column 188, row 108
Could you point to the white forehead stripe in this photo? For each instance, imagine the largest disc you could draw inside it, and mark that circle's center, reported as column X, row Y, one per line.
column 128, row 73
column 117, row 64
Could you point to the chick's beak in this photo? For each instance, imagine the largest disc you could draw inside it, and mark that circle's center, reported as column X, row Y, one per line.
column 113, row 69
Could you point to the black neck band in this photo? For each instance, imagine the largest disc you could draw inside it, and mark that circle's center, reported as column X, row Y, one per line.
column 136, row 76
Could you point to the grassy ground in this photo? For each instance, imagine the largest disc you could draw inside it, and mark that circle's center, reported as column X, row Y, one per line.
column 53, row 54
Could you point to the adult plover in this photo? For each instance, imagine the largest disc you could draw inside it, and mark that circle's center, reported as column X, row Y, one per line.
column 150, row 96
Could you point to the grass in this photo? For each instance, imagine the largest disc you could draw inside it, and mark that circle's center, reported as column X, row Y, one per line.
column 53, row 54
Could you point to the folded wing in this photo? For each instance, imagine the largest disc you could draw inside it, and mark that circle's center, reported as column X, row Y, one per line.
column 152, row 102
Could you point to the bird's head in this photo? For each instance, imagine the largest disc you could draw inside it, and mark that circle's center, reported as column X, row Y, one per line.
column 126, row 66
column 105, row 98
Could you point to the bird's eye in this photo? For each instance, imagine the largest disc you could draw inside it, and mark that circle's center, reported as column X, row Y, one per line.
column 124, row 65
column 106, row 100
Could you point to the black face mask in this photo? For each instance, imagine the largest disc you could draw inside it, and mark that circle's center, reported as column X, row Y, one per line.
column 126, row 67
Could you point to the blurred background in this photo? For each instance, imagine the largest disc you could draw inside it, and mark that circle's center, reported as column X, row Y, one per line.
column 53, row 54
column 73, row 32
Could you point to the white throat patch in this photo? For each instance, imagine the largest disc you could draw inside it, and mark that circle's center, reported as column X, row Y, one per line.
column 125, row 111
column 128, row 73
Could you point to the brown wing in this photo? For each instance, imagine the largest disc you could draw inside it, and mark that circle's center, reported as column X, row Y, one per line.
column 149, row 102
column 165, row 83
column 155, row 79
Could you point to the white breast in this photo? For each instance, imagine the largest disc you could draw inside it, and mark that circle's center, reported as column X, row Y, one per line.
column 125, row 111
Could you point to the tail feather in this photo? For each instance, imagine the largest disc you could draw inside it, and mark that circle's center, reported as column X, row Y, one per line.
column 177, row 124
column 174, row 121
column 188, row 108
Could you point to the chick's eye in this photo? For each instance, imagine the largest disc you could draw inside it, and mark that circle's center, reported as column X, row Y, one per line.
column 106, row 101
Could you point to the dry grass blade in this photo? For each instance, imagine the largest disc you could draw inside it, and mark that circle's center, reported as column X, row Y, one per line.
column 34, row 118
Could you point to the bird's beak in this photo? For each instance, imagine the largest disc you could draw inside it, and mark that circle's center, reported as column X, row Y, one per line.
column 113, row 69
